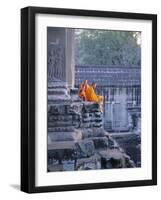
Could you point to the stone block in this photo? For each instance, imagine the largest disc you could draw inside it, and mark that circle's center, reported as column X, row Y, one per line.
column 58, row 154
column 93, row 132
column 65, row 136
column 59, row 123
column 100, row 143
column 90, row 163
column 66, row 118
column 112, row 159
column 85, row 148
column 61, row 129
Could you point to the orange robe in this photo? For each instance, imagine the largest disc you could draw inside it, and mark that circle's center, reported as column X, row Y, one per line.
column 91, row 95
column 87, row 93
column 81, row 92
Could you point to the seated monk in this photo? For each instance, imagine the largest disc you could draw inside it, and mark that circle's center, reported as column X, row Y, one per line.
column 81, row 91
column 86, row 92
column 91, row 95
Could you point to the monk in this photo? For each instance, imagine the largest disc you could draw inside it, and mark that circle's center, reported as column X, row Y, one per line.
column 87, row 93
column 81, row 91
column 91, row 95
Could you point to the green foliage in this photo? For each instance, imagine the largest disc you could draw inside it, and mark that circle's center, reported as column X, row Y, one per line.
column 98, row 47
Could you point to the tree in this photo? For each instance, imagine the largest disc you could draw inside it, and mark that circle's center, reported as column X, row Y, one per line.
column 100, row 47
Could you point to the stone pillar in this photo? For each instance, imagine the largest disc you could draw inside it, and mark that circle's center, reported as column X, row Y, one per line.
column 69, row 56
column 60, row 55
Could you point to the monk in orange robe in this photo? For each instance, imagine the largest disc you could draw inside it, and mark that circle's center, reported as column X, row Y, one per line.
column 81, row 91
column 91, row 95
column 86, row 92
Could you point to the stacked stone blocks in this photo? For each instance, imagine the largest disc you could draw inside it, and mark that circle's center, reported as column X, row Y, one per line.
column 76, row 137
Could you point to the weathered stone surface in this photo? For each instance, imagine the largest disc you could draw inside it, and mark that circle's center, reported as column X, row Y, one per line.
column 57, row 92
column 85, row 148
column 112, row 159
column 67, row 153
column 90, row 163
column 91, row 115
column 55, row 168
column 59, row 118
column 67, row 165
column 61, row 145
column 131, row 143
column 78, row 114
column 61, row 129
column 112, row 144
column 100, row 143
column 77, row 139
column 93, row 132
column 74, row 95
column 65, row 136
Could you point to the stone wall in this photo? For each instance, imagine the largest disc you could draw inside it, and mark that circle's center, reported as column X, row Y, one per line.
column 76, row 137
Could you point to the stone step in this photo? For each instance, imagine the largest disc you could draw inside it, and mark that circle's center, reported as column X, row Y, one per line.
column 61, row 145
column 64, row 136
column 53, row 117
column 59, row 91
column 59, row 123
column 61, row 129
column 93, row 132
column 58, row 98
column 56, row 83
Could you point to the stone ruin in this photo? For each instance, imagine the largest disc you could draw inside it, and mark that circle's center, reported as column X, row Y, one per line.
column 76, row 137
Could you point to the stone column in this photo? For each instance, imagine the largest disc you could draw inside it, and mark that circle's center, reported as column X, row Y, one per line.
column 60, row 55
column 69, row 56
